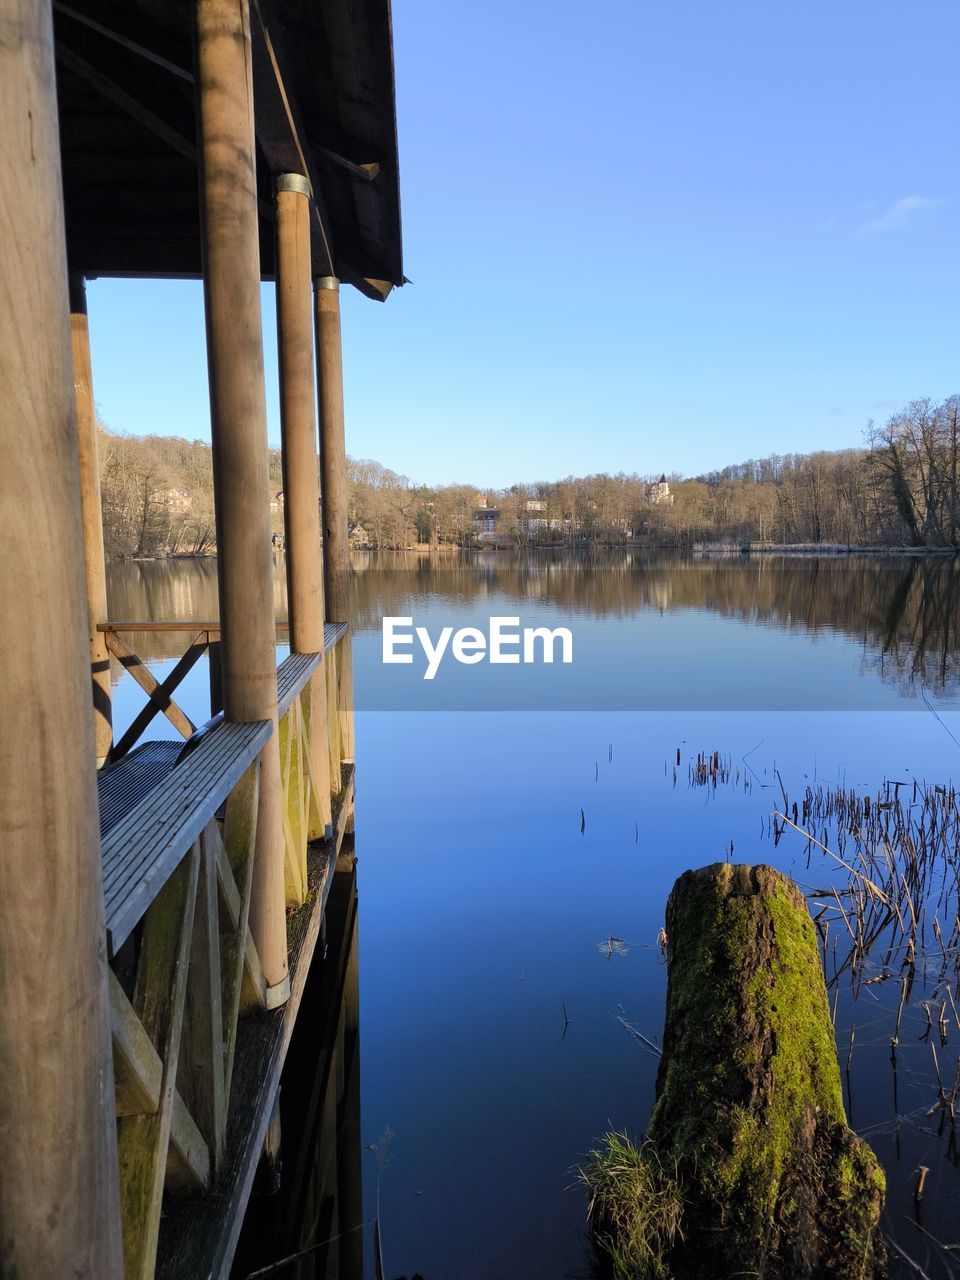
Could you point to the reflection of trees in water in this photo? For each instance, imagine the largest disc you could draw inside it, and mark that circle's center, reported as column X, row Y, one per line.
column 919, row 639
column 902, row 608
column 170, row 591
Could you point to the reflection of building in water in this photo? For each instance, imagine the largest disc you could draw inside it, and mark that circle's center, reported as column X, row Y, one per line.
column 661, row 593
column 306, row 1210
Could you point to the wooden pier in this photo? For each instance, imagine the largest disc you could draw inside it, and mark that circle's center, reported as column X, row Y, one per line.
column 161, row 901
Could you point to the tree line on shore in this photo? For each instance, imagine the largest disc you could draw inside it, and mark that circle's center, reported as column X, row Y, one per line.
column 156, row 494
column 902, row 488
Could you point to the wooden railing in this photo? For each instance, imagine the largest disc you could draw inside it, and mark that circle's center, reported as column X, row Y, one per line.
column 177, row 894
column 160, row 695
column 178, row 834
column 307, row 703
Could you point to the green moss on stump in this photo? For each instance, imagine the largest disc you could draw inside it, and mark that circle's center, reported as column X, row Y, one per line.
column 749, row 1113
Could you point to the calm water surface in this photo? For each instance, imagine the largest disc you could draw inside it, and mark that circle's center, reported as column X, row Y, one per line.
column 484, row 907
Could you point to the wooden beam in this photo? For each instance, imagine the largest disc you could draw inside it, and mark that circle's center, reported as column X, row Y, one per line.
column 149, row 684
column 253, row 985
column 295, row 781
column 280, row 132
column 306, row 725
column 132, row 46
column 376, row 290
column 333, row 632
column 160, row 699
column 366, row 172
column 127, row 103
column 298, row 417
column 215, row 670
column 201, row 1069
column 333, row 455
column 138, row 1073
column 93, row 559
column 335, row 728
column 239, row 961
column 159, row 999
column 145, row 624
column 315, row 726
column 59, row 1205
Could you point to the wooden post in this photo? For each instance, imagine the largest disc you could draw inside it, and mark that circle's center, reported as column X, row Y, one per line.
column 215, row 675
column 301, row 477
column 93, row 560
column 333, row 458
column 231, row 280
column 59, row 1194
column 298, row 423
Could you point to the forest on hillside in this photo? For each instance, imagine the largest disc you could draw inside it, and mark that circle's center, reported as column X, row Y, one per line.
column 902, row 488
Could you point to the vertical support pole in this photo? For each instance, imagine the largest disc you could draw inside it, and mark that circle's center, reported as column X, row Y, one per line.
column 214, row 672
column 93, row 560
column 298, row 423
column 231, row 282
column 59, row 1193
column 301, row 477
column 336, row 498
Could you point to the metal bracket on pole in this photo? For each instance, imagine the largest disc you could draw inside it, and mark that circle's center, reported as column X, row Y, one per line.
column 293, row 182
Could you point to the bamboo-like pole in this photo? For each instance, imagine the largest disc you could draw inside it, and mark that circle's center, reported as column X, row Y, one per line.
column 93, row 559
column 231, row 279
column 59, row 1193
column 301, row 475
column 333, row 459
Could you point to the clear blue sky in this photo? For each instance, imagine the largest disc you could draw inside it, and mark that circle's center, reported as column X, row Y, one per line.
column 642, row 236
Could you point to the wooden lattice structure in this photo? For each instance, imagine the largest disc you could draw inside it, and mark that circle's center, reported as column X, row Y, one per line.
column 160, row 902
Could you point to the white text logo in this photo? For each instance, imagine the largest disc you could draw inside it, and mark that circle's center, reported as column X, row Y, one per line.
column 504, row 642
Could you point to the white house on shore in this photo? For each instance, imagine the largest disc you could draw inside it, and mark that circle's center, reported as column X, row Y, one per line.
column 533, row 518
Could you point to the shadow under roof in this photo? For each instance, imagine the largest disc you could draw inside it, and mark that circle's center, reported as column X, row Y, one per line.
column 324, row 105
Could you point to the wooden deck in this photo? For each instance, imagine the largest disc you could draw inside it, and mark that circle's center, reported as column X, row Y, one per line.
column 144, row 847
column 197, row 1084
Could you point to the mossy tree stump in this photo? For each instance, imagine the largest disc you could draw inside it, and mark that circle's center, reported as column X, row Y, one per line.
column 749, row 1120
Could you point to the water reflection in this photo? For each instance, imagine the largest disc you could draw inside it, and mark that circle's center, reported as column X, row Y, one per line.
column 494, row 1049
column 903, row 609
column 171, row 591
column 900, row 611
column 305, row 1219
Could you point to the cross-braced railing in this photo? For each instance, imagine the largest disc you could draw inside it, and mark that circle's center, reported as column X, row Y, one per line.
column 178, row 827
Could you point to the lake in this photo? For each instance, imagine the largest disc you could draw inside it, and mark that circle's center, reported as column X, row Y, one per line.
column 519, row 827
